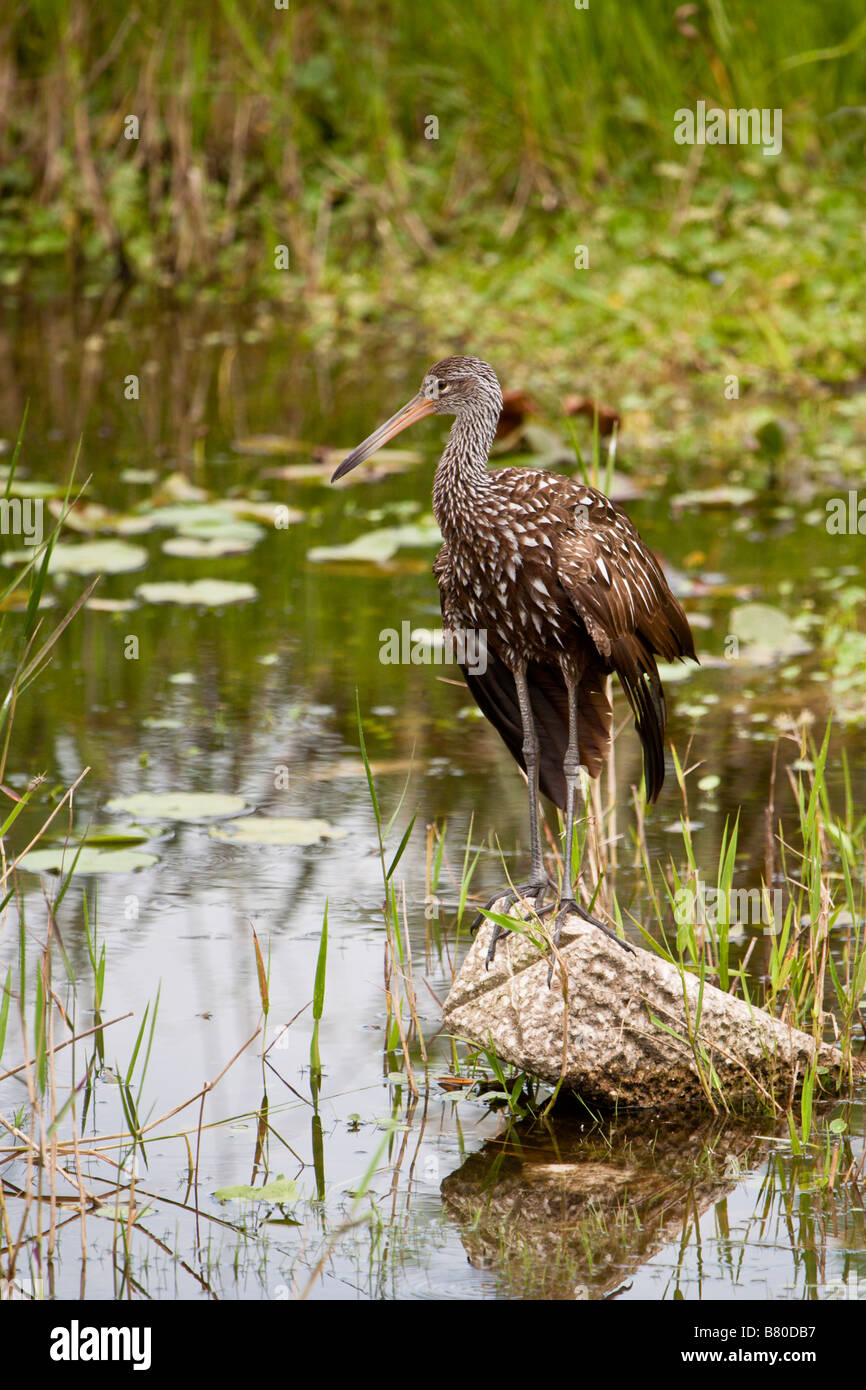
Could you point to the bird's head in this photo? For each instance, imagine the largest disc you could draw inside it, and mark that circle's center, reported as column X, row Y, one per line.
column 462, row 386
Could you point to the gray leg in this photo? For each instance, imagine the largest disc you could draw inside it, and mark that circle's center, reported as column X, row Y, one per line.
column 530, row 757
column 539, row 881
column 571, row 768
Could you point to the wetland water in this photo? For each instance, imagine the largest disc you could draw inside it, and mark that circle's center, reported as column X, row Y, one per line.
column 256, row 699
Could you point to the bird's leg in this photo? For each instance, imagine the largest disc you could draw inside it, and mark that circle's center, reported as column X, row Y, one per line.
column 571, row 767
column 539, row 881
column 537, row 875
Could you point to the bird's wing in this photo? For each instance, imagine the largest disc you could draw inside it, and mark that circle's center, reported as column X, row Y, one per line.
column 615, row 583
column 618, row 589
column 494, row 691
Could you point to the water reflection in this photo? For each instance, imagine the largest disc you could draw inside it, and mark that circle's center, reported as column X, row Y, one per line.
column 576, row 1211
column 651, row 1206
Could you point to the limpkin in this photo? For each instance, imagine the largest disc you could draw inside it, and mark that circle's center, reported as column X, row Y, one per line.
column 558, row 579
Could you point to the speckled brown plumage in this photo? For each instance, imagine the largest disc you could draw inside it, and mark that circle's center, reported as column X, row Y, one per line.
column 563, row 589
column 559, row 579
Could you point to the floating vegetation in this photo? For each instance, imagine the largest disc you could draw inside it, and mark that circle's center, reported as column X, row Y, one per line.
column 120, row 834
column 181, row 806
column 276, row 830
column 89, row 859
column 190, row 548
column 279, row 1191
column 382, row 545
column 724, row 495
column 89, row 557
column 765, row 634
column 199, row 593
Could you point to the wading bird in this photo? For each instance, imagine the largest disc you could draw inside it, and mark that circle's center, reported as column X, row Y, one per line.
column 564, row 590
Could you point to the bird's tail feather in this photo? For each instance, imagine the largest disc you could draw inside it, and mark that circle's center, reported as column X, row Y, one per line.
column 634, row 663
column 495, row 693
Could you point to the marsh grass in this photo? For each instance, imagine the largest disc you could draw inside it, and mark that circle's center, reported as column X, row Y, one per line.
column 308, row 125
column 401, row 1000
column 50, row 1175
column 822, row 877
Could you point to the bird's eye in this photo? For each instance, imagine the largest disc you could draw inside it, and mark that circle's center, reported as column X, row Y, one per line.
column 443, row 386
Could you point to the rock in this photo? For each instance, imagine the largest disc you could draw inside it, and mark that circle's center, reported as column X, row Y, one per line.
column 719, row 1050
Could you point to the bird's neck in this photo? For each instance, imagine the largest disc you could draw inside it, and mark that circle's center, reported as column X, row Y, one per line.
column 462, row 476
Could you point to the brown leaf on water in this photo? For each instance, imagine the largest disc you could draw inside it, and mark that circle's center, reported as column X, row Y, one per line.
column 382, row 463
column 267, row 445
column 608, row 418
column 299, row 473
column 456, row 1083
column 176, row 487
column 86, row 517
column 354, row 767
column 516, row 405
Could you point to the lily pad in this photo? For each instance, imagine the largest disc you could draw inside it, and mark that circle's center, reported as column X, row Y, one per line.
column 105, row 835
column 176, row 515
column 89, row 557
column 91, row 860
column 176, row 487
column 380, row 546
column 31, row 487
column 225, row 526
column 134, row 524
column 238, row 515
column 111, row 605
column 276, row 830
column 766, row 634
column 191, row 548
column 139, row 475
column 203, row 593
column 673, row 671
column 97, row 557
column 709, row 783
column 280, row 1190
column 725, row 495
column 86, row 517
column 186, row 806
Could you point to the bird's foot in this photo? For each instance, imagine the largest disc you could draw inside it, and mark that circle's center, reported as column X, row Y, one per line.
column 569, row 907
column 531, row 893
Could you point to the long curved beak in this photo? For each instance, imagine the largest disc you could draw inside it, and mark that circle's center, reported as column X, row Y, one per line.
column 413, row 410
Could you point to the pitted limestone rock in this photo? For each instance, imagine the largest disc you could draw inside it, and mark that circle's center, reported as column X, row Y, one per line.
column 618, row 1009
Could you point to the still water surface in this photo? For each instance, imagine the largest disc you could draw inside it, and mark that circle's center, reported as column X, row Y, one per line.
column 257, row 699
